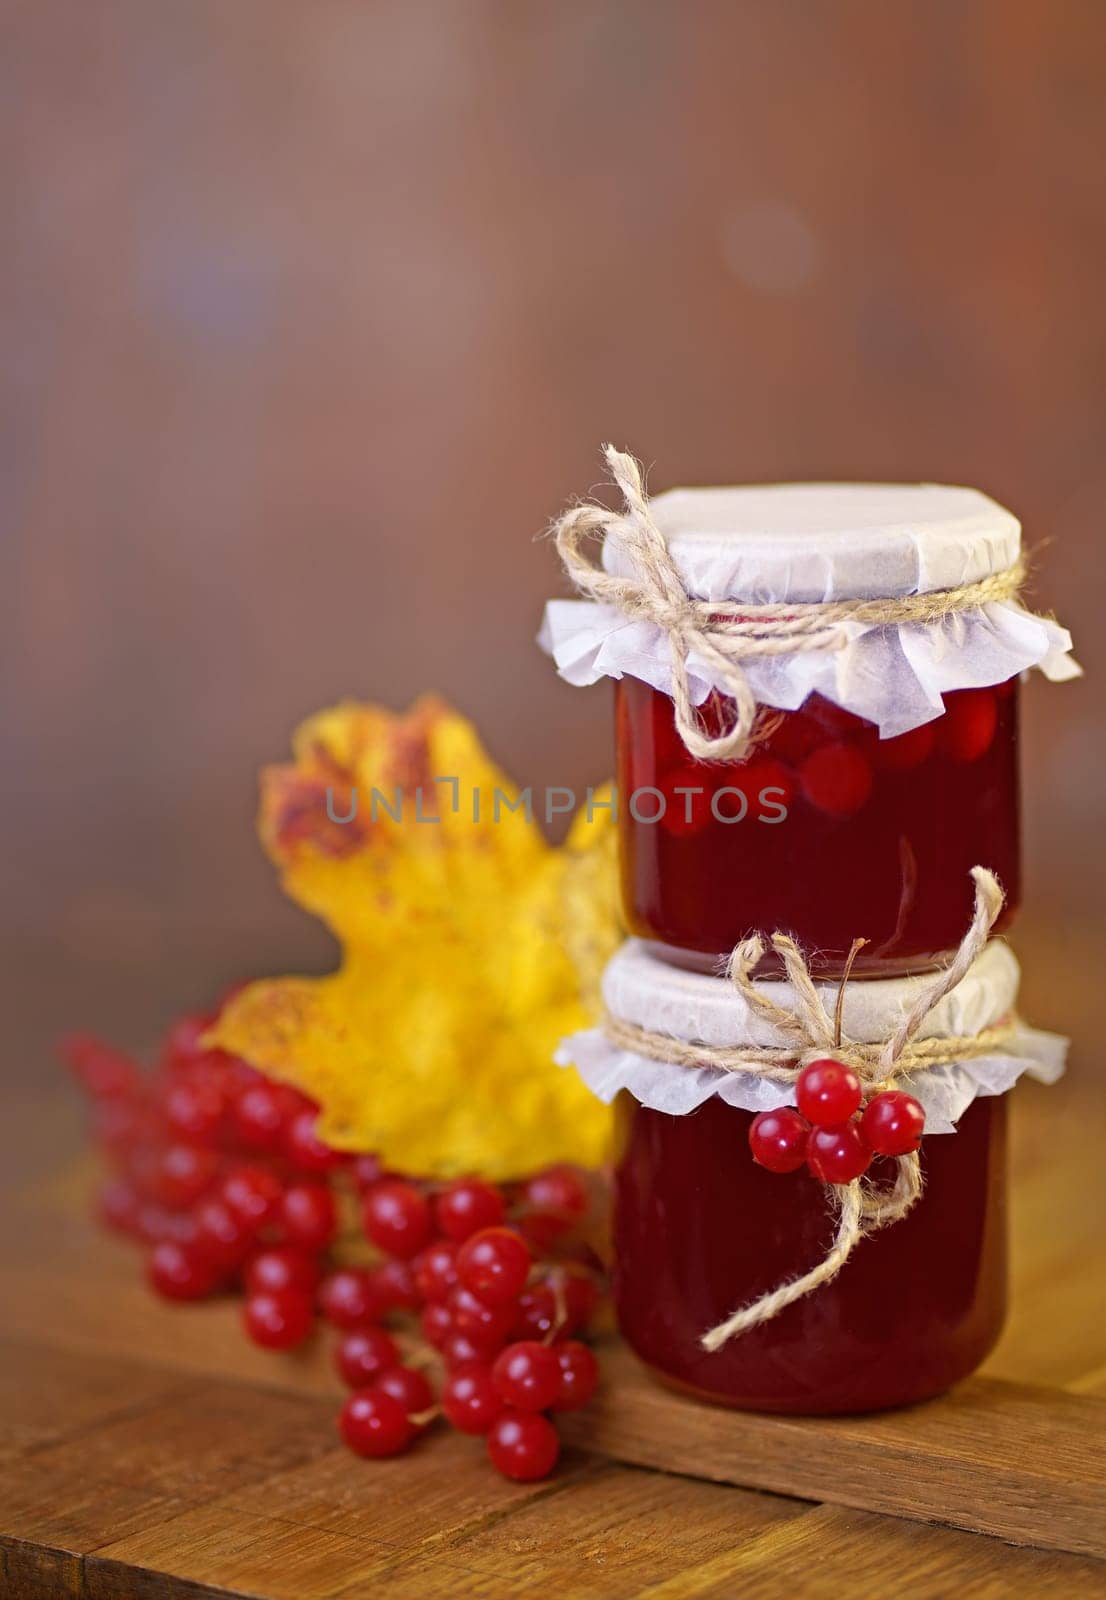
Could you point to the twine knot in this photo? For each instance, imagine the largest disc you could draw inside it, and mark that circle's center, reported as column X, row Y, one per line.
column 724, row 634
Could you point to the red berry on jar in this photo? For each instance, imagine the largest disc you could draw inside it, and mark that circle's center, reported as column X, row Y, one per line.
column 579, row 1375
column 363, row 1354
column 527, row 1375
column 778, row 1139
column 470, row 1400
column 494, row 1265
column 967, row 729
column 181, row 1272
column 348, row 1299
column 281, row 1267
column 308, row 1216
column 828, row 1092
column 770, row 789
column 837, row 779
column 906, row 750
column 374, row 1423
column 278, row 1319
column 436, row 1270
column 893, row 1123
column 463, row 1208
column 397, row 1218
column 838, row 1155
column 686, row 802
column 523, row 1446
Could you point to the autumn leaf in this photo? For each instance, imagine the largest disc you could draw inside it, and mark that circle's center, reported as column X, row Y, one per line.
column 470, row 946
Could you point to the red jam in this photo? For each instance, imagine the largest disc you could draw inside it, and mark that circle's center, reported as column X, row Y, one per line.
column 700, row 1229
column 827, row 831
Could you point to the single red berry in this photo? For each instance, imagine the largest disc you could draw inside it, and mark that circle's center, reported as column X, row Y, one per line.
column 179, row 1272
column 360, row 1356
column 182, row 1044
column 194, row 1110
column 838, row 1155
column 155, row 1223
column 778, row 1139
column 367, row 1170
column 770, row 789
column 303, row 1147
column 374, row 1423
column 494, row 1264
column 555, row 1201
column 122, row 1125
column 223, row 1236
column 837, row 779
column 397, row 1218
column 407, row 1386
column 537, row 1313
column 686, row 802
column 309, row 1216
column 436, row 1324
column 102, row 1071
column 906, row 750
column 260, row 1117
column 459, row 1349
column 828, row 1093
column 394, row 1282
column 578, row 1297
column 579, row 1375
column 182, row 1174
column 253, row 1194
column 893, row 1123
column 488, row 1325
column 467, row 1206
column 523, row 1445
column 470, row 1399
column 436, row 1270
column 527, row 1375
column 967, row 729
column 278, row 1319
column 281, row 1267
column 348, row 1299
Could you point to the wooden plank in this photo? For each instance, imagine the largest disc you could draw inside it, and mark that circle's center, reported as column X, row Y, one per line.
column 830, row 1552
column 607, row 1536
column 1025, row 1464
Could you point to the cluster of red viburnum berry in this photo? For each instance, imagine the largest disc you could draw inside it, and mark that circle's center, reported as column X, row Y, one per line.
column 219, row 1173
column 827, row 1132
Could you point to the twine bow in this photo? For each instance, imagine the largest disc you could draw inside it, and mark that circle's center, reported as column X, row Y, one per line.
column 722, row 634
column 864, row 1208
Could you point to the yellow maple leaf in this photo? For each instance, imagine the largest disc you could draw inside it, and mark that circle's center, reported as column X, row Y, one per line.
column 470, row 945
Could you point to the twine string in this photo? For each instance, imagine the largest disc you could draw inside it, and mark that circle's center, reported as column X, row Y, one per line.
column 724, row 634
column 812, row 1032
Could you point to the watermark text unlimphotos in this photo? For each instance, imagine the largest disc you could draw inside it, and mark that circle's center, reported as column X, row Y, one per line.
column 681, row 802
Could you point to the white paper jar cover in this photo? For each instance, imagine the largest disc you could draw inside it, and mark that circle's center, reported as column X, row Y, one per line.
column 659, row 997
column 813, row 542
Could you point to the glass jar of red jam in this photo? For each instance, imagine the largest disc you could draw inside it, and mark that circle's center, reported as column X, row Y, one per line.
column 826, row 830
column 699, row 1229
column 884, row 759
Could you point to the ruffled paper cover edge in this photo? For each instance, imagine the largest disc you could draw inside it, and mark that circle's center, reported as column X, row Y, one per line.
column 945, row 1091
column 892, row 675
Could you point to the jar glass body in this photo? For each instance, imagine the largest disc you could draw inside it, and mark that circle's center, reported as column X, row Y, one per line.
column 826, row 831
column 700, row 1229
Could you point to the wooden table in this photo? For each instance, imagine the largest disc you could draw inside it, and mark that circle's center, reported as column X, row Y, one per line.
column 148, row 1451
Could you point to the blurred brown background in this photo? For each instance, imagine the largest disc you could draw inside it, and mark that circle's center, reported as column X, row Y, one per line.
column 315, row 312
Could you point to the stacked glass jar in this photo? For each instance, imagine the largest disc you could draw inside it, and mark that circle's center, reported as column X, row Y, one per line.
column 880, row 770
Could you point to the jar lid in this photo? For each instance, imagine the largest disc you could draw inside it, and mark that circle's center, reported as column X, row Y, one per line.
column 816, row 542
column 641, row 988
column 653, row 993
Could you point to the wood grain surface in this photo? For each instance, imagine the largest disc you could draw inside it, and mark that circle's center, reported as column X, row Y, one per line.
column 149, row 1451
